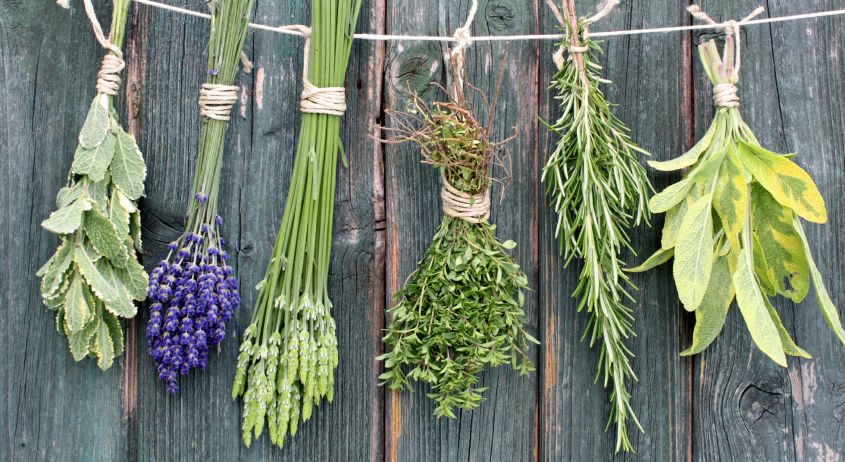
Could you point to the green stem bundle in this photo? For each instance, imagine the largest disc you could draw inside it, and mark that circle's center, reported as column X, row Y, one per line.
column 289, row 351
column 94, row 277
column 733, row 228
column 598, row 188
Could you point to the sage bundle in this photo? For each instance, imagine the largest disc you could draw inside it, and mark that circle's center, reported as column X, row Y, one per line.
column 289, row 351
column 194, row 290
column 733, row 223
column 94, row 277
column 462, row 308
column 599, row 190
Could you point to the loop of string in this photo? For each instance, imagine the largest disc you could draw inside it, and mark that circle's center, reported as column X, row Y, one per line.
column 573, row 46
column 726, row 95
column 314, row 99
column 472, row 208
column 463, row 38
column 108, row 78
column 500, row 38
column 216, row 101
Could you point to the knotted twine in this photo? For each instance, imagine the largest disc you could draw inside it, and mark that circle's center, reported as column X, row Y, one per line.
column 108, row 78
column 574, row 47
column 314, row 99
column 472, row 208
column 726, row 95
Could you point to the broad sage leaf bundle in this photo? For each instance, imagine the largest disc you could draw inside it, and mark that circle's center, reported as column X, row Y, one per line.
column 289, row 351
column 194, row 290
column 462, row 308
column 94, row 278
column 599, row 190
column 733, row 225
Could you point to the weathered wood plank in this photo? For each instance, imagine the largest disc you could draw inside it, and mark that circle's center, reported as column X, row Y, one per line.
column 649, row 85
column 53, row 408
column 504, row 427
column 748, row 408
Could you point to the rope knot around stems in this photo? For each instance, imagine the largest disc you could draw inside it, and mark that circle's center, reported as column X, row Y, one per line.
column 472, row 208
column 725, row 95
column 574, row 45
column 108, row 78
column 314, row 99
column 216, row 101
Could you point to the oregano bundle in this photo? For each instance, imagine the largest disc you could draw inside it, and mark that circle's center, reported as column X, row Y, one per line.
column 462, row 309
column 94, row 277
column 733, row 225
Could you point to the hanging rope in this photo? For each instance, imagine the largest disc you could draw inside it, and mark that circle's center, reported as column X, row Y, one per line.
column 574, row 46
column 726, row 94
column 314, row 99
column 108, row 77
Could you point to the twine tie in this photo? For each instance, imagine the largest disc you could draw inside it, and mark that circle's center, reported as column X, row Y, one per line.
column 314, row 99
column 216, row 101
column 472, row 208
column 725, row 95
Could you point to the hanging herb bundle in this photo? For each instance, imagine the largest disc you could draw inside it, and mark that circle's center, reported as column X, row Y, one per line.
column 598, row 188
column 94, row 276
column 289, row 351
column 732, row 224
column 194, row 290
column 462, row 309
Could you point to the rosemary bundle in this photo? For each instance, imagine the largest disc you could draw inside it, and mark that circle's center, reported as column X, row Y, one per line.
column 194, row 290
column 733, row 228
column 462, row 309
column 598, row 189
column 289, row 351
column 94, row 276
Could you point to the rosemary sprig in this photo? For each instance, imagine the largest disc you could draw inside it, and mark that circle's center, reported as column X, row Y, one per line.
column 598, row 188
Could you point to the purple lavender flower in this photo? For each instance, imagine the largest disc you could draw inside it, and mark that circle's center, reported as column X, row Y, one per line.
column 194, row 294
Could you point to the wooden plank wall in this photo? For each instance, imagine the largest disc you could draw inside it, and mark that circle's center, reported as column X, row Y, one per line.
column 728, row 404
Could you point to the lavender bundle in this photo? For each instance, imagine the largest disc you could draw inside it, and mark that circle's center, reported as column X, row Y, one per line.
column 194, row 290
column 94, row 276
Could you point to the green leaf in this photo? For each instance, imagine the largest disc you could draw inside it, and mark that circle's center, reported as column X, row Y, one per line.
column 95, row 161
column 79, row 341
column 115, row 332
column 780, row 244
column 98, row 191
column 672, row 223
column 127, row 167
column 690, row 157
column 789, row 346
column 68, row 194
column 122, row 304
column 753, row 308
column 658, row 258
column 694, row 253
column 710, row 315
column 77, row 310
column 118, row 215
column 99, row 284
column 67, row 219
column 730, row 199
column 671, row 196
column 135, row 229
column 134, row 278
column 103, row 236
column 829, row 311
column 53, row 278
column 788, row 183
column 96, row 124
column 104, row 347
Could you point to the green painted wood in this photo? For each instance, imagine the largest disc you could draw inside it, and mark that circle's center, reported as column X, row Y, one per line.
column 751, row 408
column 504, row 427
column 53, row 408
column 648, row 74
